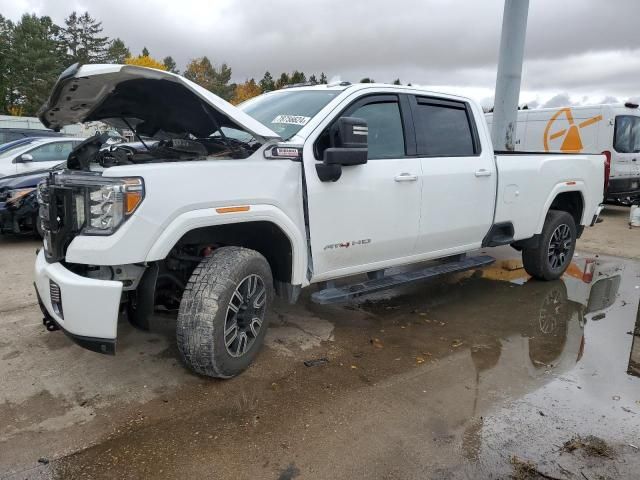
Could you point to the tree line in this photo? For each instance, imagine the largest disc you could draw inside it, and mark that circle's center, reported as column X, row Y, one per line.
column 34, row 51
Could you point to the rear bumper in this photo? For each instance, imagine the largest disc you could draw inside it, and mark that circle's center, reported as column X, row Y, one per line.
column 623, row 188
column 86, row 309
column 596, row 215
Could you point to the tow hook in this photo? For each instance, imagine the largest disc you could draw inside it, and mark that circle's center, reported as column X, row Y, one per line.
column 50, row 325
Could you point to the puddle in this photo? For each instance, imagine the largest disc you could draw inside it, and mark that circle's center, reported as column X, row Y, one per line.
column 453, row 379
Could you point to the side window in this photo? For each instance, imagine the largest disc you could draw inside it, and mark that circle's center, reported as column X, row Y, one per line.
column 52, row 152
column 386, row 136
column 627, row 134
column 443, row 129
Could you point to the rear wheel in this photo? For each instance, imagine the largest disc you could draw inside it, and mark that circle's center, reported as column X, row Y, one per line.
column 222, row 319
column 551, row 258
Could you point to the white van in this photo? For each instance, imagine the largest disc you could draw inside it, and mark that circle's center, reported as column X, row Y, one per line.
column 613, row 129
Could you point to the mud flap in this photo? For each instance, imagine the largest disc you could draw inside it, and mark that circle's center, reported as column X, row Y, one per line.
column 140, row 306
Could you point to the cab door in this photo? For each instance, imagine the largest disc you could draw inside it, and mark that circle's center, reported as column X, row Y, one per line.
column 459, row 178
column 369, row 217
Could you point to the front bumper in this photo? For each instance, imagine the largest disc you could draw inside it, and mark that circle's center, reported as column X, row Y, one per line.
column 86, row 309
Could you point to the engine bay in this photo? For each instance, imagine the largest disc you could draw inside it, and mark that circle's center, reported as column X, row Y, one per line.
column 94, row 151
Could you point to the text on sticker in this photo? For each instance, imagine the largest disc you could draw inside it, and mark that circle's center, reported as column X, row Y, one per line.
column 291, row 119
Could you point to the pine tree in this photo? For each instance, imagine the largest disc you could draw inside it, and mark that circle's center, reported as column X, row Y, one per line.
column 283, row 81
column 6, row 68
column 81, row 39
column 170, row 64
column 267, row 84
column 397, row 82
column 323, row 78
column 297, row 77
column 313, row 79
column 145, row 52
column 36, row 58
column 117, row 52
column 367, row 80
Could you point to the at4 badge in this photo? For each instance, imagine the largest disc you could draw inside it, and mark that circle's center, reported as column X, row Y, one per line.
column 352, row 243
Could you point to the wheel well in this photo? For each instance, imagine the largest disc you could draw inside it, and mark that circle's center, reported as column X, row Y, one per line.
column 264, row 237
column 570, row 202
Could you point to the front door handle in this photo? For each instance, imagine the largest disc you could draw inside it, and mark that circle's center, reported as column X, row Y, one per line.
column 406, row 177
column 483, row 172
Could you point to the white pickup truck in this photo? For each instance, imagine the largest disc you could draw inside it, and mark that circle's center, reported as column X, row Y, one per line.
column 232, row 205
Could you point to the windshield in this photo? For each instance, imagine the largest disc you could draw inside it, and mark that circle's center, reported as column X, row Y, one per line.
column 287, row 111
column 627, row 134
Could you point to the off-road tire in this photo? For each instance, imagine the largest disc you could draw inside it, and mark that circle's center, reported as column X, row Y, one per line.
column 537, row 262
column 205, row 307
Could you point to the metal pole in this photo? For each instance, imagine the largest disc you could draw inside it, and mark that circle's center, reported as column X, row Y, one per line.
column 505, row 110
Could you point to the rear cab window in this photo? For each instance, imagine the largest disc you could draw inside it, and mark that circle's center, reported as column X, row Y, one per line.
column 444, row 128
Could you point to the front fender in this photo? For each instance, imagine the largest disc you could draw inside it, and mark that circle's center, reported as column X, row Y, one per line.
column 208, row 217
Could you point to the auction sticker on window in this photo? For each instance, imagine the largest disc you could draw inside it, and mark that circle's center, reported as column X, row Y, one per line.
column 291, row 119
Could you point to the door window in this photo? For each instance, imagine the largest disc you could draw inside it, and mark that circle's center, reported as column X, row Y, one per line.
column 386, row 136
column 51, row 152
column 443, row 129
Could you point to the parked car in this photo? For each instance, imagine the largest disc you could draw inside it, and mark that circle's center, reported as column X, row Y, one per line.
column 298, row 187
column 18, row 201
column 610, row 129
column 17, row 143
column 36, row 155
column 10, row 134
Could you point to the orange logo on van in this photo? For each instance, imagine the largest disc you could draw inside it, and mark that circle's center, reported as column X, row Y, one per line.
column 571, row 141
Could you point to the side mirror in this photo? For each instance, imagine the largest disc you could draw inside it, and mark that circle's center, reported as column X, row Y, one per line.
column 26, row 157
column 348, row 137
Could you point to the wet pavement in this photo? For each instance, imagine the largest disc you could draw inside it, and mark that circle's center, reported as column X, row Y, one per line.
column 480, row 375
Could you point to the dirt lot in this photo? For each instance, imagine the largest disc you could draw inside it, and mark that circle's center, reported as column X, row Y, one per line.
column 482, row 375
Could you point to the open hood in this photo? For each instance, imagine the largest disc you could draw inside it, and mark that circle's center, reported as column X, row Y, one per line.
column 152, row 101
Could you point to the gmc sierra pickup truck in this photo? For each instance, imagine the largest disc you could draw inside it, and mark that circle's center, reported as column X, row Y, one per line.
column 301, row 186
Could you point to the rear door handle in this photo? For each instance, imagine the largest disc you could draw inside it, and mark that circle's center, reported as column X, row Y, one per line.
column 483, row 172
column 406, row 177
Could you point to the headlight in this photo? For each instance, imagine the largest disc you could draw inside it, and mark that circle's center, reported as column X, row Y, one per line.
column 108, row 205
column 15, row 197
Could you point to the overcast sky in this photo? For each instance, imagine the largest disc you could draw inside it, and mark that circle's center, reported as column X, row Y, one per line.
column 578, row 51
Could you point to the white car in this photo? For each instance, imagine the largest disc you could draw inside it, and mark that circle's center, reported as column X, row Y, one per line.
column 298, row 187
column 40, row 154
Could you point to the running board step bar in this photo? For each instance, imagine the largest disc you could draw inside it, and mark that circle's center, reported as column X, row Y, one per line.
column 347, row 292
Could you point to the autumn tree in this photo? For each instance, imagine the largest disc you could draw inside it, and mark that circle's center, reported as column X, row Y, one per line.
column 170, row 64
column 145, row 61
column 81, row 39
column 245, row 91
column 216, row 80
column 117, row 52
column 36, row 60
column 267, row 84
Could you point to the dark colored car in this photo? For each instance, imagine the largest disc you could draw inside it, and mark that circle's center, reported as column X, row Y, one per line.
column 10, row 134
column 19, row 203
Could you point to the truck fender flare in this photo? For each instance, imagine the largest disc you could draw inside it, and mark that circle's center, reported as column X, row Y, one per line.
column 562, row 187
column 207, row 217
